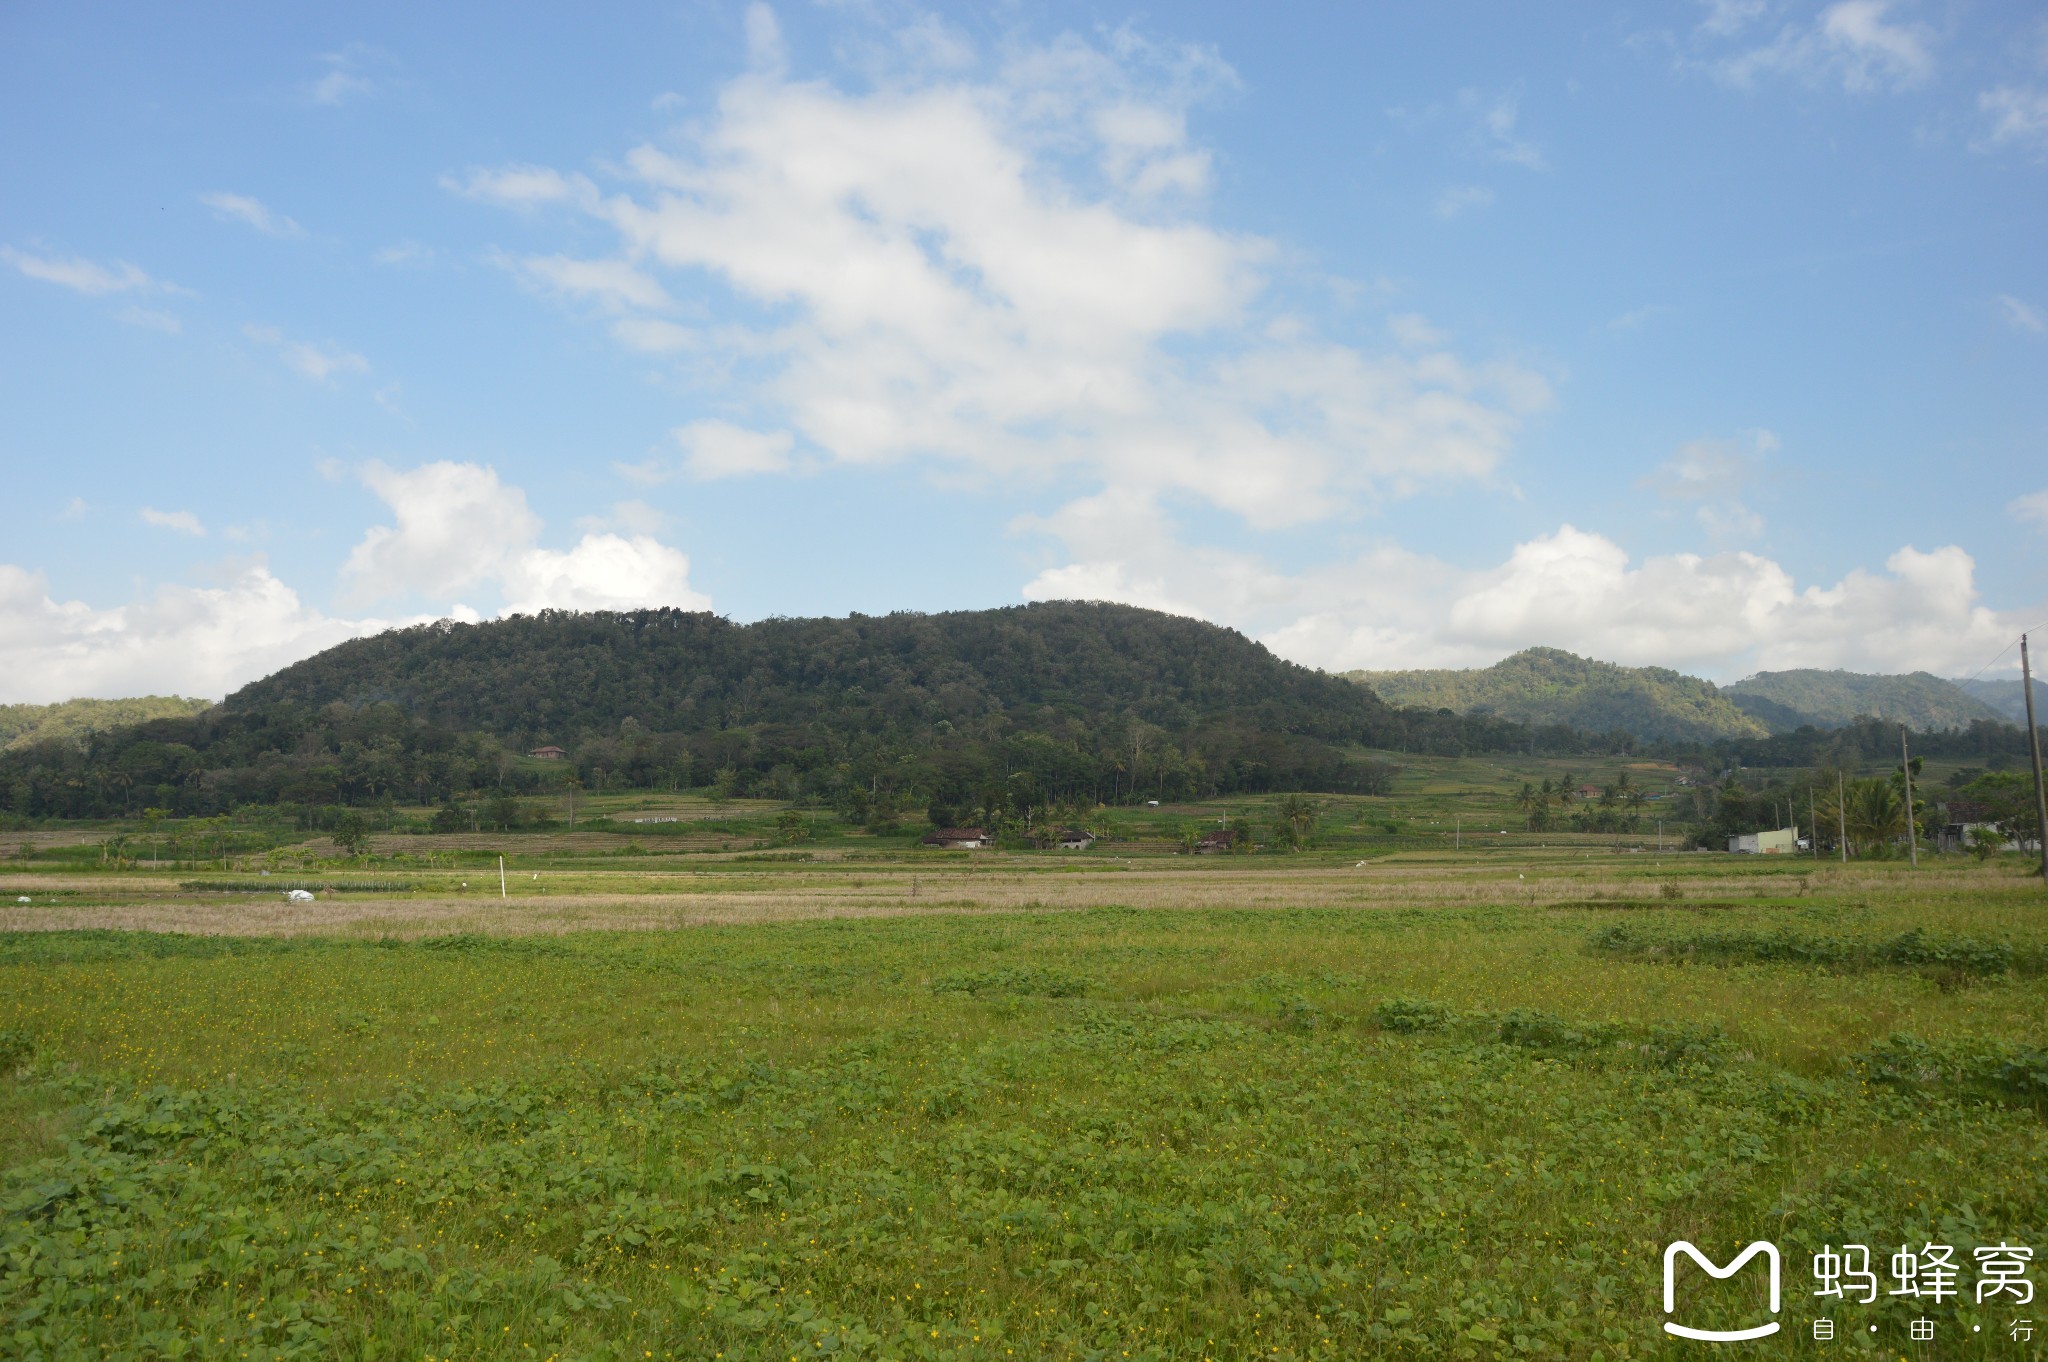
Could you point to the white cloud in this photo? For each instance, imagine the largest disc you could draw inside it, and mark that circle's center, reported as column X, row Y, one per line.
column 634, row 517
column 151, row 319
column 603, row 572
column 184, row 522
column 1724, row 615
column 2019, row 118
column 404, row 253
column 521, row 186
column 2033, row 506
column 1726, row 17
column 84, row 276
column 1705, row 469
column 459, row 527
column 2021, row 316
column 720, row 449
column 250, row 212
column 1007, row 274
column 653, row 335
column 1852, row 41
column 318, row 362
column 1493, row 133
column 613, row 284
column 346, row 76
column 184, row 639
column 1712, row 476
column 1461, row 199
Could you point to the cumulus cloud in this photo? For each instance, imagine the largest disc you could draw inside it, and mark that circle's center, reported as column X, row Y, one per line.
column 252, row 213
column 2033, row 506
column 1725, row 614
column 184, row 522
column 458, row 528
column 1009, row 272
column 1854, row 42
column 184, row 639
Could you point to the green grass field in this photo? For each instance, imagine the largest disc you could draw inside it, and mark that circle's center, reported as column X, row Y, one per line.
column 1019, row 1108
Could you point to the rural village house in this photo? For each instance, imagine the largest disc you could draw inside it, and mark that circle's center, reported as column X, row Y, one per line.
column 959, row 839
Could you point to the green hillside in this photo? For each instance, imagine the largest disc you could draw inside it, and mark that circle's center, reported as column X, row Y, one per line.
column 21, row 725
column 1829, row 699
column 2007, row 698
column 1550, row 686
column 1052, row 702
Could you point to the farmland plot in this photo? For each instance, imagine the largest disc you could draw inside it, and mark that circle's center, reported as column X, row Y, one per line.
column 1389, row 1125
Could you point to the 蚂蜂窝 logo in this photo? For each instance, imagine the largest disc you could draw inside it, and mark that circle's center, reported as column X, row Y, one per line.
column 1770, row 1253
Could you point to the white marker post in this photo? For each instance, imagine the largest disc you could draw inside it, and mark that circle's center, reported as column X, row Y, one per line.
column 501, row 879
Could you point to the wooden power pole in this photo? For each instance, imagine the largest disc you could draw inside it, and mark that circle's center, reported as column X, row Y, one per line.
column 2034, row 746
column 1906, row 767
column 1841, row 819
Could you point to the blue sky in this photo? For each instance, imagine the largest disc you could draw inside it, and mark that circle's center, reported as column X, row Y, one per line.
column 1706, row 335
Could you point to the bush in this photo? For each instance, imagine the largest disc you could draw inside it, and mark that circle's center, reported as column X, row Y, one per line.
column 1409, row 1015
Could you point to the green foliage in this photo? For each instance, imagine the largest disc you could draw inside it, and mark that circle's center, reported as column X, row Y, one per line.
column 72, row 720
column 1406, row 1016
column 1161, row 1133
column 1023, row 981
column 1913, row 949
column 352, row 833
column 1830, row 699
column 1549, row 686
column 1002, row 710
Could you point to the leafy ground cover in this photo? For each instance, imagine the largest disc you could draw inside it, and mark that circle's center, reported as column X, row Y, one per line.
column 1431, row 1120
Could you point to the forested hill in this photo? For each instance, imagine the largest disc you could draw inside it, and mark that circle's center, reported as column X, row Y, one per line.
column 555, row 676
column 1830, row 699
column 23, row 725
column 1549, row 686
column 1031, row 706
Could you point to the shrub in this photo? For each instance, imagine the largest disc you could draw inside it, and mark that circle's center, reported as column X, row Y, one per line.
column 1409, row 1015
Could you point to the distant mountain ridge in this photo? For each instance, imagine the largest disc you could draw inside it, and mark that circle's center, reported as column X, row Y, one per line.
column 21, row 725
column 2008, row 699
column 1551, row 686
column 1829, row 699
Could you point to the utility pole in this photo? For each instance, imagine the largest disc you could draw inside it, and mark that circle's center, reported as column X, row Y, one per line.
column 1812, row 823
column 1841, row 818
column 2034, row 746
column 1906, row 767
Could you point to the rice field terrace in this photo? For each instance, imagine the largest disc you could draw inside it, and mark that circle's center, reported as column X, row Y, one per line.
column 1014, row 1106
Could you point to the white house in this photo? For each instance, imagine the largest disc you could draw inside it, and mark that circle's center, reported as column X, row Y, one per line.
column 1777, row 842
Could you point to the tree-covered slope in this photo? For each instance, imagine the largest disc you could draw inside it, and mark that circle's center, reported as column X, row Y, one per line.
column 548, row 677
column 21, row 725
column 1056, row 701
column 1830, row 699
column 1550, row 686
column 2008, row 699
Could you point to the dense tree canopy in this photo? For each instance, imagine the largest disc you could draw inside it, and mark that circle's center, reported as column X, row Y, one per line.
column 1052, row 702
